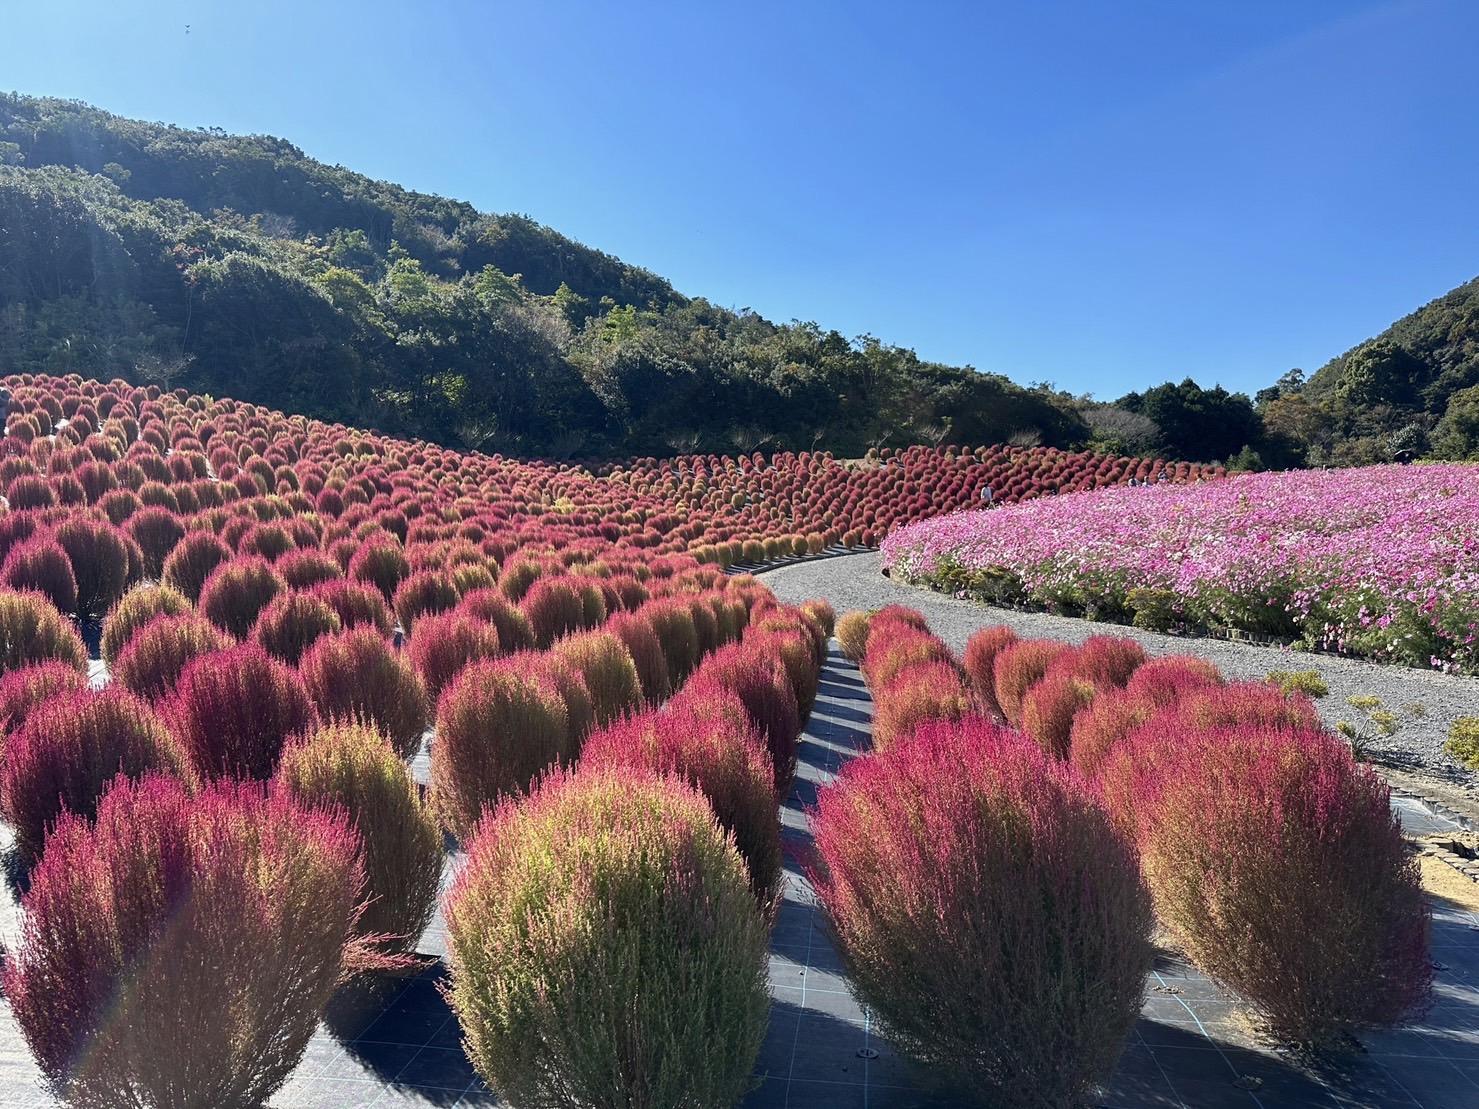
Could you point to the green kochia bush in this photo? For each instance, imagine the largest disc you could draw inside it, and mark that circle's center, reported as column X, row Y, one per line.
column 178, row 953
column 989, row 917
column 606, row 948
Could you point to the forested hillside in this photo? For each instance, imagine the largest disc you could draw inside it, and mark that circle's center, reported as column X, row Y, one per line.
column 238, row 265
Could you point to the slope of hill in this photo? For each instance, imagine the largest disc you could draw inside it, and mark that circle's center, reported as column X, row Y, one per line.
column 1413, row 387
column 237, row 264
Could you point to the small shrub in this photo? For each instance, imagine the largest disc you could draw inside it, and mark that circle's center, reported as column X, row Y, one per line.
column 236, row 593
column 32, row 630
column 1162, row 681
column 70, row 749
column 134, row 609
column 1104, row 661
column 151, row 661
column 608, row 670
column 1154, row 609
column 579, row 707
column 923, row 692
column 192, row 561
column 989, row 917
column 233, row 711
column 40, row 564
column 303, row 569
column 424, row 594
column 491, row 606
column 179, row 951
column 707, row 739
column 1279, row 865
column 157, row 531
column 293, row 622
column 760, row 681
column 445, row 643
column 852, row 633
column 553, row 608
column 979, row 663
column 22, row 691
column 642, row 644
column 899, row 648
column 498, row 728
column 100, row 561
column 673, row 624
column 608, row 900
column 822, row 612
column 354, row 766
column 381, row 564
column 1308, row 682
column 356, row 676
column 1098, row 729
column 358, row 605
column 1050, row 708
column 1018, row 668
column 1462, row 744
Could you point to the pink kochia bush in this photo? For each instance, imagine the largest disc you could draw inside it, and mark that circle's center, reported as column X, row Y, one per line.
column 1278, row 864
column 979, row 663
column 236, row 593
column 22, row 691
column 179, row 951
column 443, row 644
column 32, row 630
column 606, row 948
column 233, row 711
column 707, row 738
column 1020, row 666
column 989, row 917
column 67, row 752
column 921, row 692
column 758, row 678
column 151, row 661
column 357, row 676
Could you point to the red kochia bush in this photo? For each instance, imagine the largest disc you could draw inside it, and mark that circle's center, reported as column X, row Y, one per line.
column 193, row 560
column 498, row 728
column 1104, row 661
column 358, row 676
column 151, row 661
column 979, row 663
column 156, row 530
column 707, row 737
column 179, row 952
column 443, row 644
column 134, row 609
column 382, row 564
column 919, row 693
column 293, row 622
column 895, row 648
column 234, row 709
column 358, row 604
column 23, row 690
column 1161, row 681
column 69, row 749
column 606, row 666
column 32, row 630
column 988, row 916
column 40, row 563
column 491, row 606
column 760, row 681
column 100, row 561
column 1098, row 729
column 554, row 608
column 1050, row 708
column 647, row 655
column 424, row 594
column 236, row 593
column 672, row 621
column 1019, row 667
column 1278, row 863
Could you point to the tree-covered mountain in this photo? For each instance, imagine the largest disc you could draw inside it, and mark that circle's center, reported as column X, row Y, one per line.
column 238, row 265
column 1414, row 387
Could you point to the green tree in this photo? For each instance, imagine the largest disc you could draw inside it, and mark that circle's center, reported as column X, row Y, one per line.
column 1457, row 435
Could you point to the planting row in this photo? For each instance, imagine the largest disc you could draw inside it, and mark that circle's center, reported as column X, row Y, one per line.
column 1380, row 562
column 993, row 870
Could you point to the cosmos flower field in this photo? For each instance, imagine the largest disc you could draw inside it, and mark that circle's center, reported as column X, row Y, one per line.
column 1380, row 562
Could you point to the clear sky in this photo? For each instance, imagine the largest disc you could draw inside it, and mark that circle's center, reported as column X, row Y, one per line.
column 1098, row 193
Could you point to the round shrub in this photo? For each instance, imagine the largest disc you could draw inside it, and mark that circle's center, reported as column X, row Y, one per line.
column 356, row 676
column 609, row 673
column 40, row 564
column 179, row 951
column 707, row 738
column 1107, row 721
column 642, row 644
column 672, row 622
column 303, row 569
column 1162, row 681
column 381, row 564
column 1277, row 862
column 579, row 707
column 822, row 612
column 1018, row 667
column 134, row 609
column 23, row 690
column 193, row 560
column 491, row 606
column 151, row 661
column 354, row 766
column 989, row 917
column 498, row 728
column 157, row 531
column 891, row 650
column 233, row 711
column 852, row 633
column 553, row 608
column 293, row 622
column 760, row 681
column 100, row 562
column 609, row 900
column 32, row 630
column 236, row 593
column 357, row 604
column 424, row 594
column 1050, row 708
column 979, row 663
column 1104, row 661
column 919, row 693
column 443, row 644
column 67, row 752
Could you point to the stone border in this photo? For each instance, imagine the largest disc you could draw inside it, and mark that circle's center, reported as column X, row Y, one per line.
column 758, row 568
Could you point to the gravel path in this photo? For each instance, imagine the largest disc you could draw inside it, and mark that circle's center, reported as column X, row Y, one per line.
column 1426, row 702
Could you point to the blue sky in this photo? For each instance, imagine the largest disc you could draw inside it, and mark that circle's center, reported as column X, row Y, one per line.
column 1100, row 194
